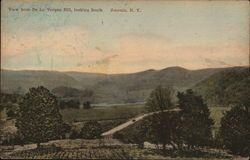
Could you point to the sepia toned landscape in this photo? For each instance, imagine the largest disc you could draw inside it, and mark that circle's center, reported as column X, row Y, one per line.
column 125, row 80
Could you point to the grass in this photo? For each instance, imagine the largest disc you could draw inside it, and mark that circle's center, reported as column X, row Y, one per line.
column 102, row 113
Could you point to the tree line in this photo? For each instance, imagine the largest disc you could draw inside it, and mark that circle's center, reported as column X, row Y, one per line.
column 191, row 127
column 38, row 120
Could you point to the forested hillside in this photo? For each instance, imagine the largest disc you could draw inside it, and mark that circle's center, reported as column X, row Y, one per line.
column 226, row 87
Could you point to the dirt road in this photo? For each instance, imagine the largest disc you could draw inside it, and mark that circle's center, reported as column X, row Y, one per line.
column 132, row 121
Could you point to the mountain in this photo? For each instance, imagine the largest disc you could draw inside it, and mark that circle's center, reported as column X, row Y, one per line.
column 21, row 81
column 227, row 87
column 108, row 88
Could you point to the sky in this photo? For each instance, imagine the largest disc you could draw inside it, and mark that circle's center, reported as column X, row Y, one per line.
column 189, row 34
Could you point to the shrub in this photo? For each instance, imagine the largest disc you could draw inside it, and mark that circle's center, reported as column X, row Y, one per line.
column 39, row 119
column 235, row 131
column 196, row 124
column 91, row 130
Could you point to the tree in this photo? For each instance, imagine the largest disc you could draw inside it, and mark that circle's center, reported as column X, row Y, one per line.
column 39, row 119
column 160, row 99
column 69, row 104
column 91, row 130
column 160, row 124
column 138, row 135
column 235, row 131
column 86, row 105
column 10, row 114
column 164, row 129
column 196, row 124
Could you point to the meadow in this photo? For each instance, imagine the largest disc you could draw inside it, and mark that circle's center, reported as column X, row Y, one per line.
column 123, row 113
column 102, row 113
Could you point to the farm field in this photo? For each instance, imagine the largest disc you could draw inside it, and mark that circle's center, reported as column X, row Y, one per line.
column 123, row 112
column 100, row 153
column 113, row 116
column 108, row 149
column 102, row 113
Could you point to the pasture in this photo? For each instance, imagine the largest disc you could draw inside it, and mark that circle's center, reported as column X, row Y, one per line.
column 102, row 113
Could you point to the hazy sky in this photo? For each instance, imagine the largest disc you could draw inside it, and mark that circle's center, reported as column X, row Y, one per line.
column 190, row 34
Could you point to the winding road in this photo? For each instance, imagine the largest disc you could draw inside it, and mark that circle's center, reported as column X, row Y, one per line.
column 132, row 121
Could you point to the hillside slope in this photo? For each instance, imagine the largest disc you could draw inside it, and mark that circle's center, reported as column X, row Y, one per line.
column 108, row 88
column 20, row 81
column 226, row 87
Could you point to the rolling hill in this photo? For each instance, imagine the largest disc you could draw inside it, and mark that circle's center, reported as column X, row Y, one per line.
column 228, row 87
column 108, row 88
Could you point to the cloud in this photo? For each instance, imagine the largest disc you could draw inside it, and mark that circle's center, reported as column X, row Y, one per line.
column 69, row 47
column 64, row 40
column 136, row 53
column 74, row 48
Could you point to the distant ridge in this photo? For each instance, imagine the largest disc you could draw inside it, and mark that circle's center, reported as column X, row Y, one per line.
column 108, row 88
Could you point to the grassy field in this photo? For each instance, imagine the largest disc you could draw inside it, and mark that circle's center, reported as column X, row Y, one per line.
column 123, row 112
column 109, row 149
column 102, row 113
column 112, row 116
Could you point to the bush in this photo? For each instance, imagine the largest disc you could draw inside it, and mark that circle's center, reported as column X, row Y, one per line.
column 91, row 130
column 74, row 135
column 86, row 105
column 196, row 124
column 235, row 131
column 38, row 119
column 69, row 104
column 10, row 114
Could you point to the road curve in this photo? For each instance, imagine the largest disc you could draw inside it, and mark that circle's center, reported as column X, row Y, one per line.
column 133, row 120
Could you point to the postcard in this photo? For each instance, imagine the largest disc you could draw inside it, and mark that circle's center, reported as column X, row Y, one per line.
column 126, row 79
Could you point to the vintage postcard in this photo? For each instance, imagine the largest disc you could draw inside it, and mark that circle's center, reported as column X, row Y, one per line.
column 126, row 79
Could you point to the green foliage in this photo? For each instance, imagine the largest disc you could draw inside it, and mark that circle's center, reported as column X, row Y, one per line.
column 69, row 104
column 74, row 135
column 160, row 99
column 135, row 134
column 235, row 131
column 86, row 105
column 12, row 98
column 161, row 127
column 10, row 113
column 226, row 87
column 39, row 119
column 91, row 130
column 69, row 92
column 164, row 128
column 196, row 123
